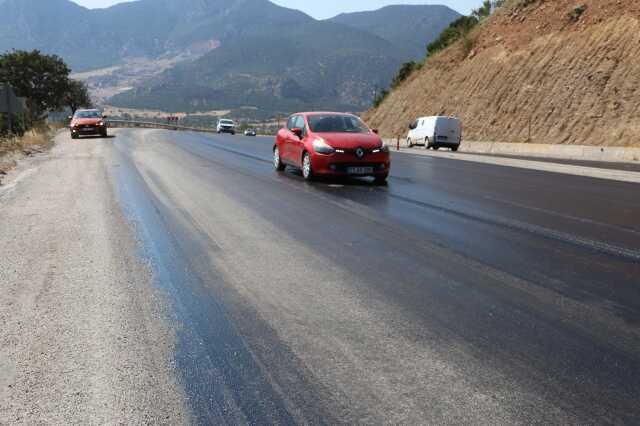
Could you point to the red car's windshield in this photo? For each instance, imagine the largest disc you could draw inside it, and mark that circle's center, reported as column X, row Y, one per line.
column 336, row 124
column 88, row 114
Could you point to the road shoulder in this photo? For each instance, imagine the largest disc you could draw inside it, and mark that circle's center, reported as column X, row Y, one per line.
column 545, row 165
column 82, row 334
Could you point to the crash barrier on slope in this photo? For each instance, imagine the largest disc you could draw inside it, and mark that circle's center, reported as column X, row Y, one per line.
column 152, row 125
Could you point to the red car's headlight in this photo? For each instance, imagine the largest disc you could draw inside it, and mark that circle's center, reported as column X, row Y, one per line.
column 321, row 147
column 384, row 148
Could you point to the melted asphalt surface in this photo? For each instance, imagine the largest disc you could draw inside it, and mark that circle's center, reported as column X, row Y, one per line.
column 459, row 293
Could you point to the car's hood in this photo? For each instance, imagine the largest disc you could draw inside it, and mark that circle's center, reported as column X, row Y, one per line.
column 351, row 140
column 85, row 121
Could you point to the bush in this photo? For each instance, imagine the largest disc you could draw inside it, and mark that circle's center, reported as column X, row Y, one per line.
column 456, row 30
column 381, row 96
column 577, row 12
column 404, row 72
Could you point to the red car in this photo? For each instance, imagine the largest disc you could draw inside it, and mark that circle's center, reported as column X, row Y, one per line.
column 87, row 122
column 331, row 144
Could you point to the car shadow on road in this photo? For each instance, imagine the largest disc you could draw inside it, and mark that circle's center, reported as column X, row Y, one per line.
column 97, row 137
column 341, row 181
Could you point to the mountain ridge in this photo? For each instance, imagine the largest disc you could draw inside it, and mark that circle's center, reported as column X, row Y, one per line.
column 215, row 53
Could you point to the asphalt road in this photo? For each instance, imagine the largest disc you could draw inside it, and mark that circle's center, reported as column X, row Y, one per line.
column 461, row 293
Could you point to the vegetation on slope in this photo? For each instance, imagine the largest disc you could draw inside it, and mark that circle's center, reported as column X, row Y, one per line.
column 539, row 71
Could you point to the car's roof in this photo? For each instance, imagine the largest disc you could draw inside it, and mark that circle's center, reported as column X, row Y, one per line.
column 88, row 110
column 323, row 113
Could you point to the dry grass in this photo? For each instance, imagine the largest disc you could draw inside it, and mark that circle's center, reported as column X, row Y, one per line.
column 33, row 142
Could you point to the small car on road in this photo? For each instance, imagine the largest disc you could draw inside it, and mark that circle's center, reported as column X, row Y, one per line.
column 251, row 132
column 226, row 126
column 435, row 132
column 331, row 144
column 88, row 122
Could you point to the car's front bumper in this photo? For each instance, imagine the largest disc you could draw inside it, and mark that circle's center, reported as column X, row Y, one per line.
column 88, row 130
column 339, row 164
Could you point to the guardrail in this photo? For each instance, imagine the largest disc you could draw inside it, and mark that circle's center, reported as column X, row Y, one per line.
column 152, row 125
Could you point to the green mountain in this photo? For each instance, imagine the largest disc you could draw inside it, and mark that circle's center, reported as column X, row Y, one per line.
column 252, row 54
column 409, row 27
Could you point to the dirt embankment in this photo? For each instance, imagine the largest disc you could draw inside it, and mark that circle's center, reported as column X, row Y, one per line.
column 538, row 71
column 13, row 149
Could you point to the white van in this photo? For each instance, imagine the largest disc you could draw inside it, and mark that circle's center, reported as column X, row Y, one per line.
column 435, row 132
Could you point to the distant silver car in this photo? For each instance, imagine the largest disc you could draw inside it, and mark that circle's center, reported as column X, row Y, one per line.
column 251, row 132
column 226, row 126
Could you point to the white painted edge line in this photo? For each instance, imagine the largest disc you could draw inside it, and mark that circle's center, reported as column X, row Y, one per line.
column 567, row 169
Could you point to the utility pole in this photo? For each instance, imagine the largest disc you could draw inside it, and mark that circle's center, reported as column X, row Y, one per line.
column 9, row 112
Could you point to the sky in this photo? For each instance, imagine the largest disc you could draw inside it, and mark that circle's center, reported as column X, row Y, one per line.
column 328, row 8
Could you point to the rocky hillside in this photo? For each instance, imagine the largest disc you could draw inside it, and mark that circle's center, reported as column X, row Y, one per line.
column 558, row 71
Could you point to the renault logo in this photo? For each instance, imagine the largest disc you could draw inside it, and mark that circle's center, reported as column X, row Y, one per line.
column 359, row 152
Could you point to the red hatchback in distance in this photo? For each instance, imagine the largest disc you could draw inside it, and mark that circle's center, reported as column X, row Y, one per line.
column 331, row 144
column 87, row 122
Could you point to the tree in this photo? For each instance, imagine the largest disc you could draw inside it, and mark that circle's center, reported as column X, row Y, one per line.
column 42, row 79
column 77, row 96
column 487, row 8
column 404, row 72
column 454, row 32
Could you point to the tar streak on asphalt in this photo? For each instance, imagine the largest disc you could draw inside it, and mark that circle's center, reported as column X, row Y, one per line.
column 219, row 373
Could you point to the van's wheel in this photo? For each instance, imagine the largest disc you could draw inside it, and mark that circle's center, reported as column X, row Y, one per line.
column 277, row 161
column 436, row 148
column 409, row 143
column 427, row 144
column 307, row 172
column 454, row 149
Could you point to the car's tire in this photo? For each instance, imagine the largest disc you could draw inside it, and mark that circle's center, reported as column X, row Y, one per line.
column 454, row 149
column 277, row 161
column 104, row 134
column 380, row 180
column 74, row 136
column 409, row 143
column 427, row 144
column 307, row 169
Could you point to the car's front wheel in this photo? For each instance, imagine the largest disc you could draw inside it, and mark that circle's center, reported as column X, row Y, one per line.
column 307, row 171
column 277, row 161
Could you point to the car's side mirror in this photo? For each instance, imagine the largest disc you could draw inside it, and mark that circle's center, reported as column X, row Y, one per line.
column 297, row 131
column 105, row 117
column 376, row 131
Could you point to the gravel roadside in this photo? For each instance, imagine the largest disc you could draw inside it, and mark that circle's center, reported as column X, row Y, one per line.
column 83, row 339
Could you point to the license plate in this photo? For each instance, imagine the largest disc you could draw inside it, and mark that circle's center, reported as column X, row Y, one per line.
column 360, row 170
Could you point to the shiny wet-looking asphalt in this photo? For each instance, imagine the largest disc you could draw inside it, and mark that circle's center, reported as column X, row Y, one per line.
column 459, row 293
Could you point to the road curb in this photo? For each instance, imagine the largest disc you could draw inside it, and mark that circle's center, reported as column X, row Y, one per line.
column 613, row 154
